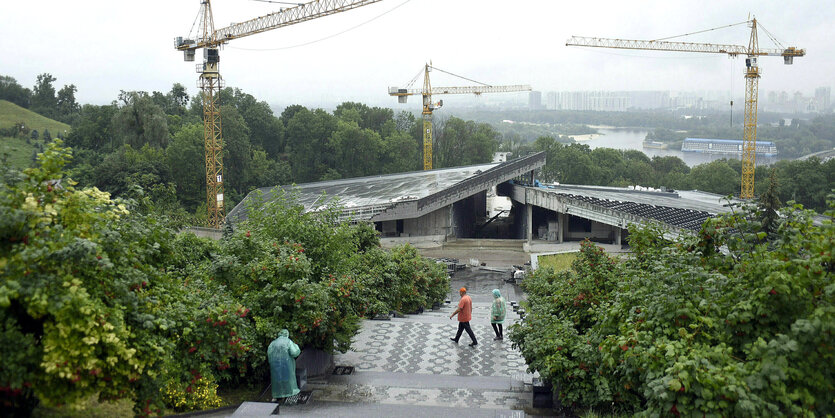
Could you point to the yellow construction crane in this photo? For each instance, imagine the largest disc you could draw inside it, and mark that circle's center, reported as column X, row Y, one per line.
column 210, row 40
column 752, row 75
column 427, row 92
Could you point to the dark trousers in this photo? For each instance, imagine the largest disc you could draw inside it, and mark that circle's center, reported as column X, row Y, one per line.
column 465, row 326
column 497, row 328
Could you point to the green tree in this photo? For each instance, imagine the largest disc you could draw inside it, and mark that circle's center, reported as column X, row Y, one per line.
column 373, row 118
column 12, row 91
column 459, row 142
column 805, row 181
column 87, row 305
column 574, row 164
column 769, row 206
column 178, row 95
column 290, row 111
column 265, row 130
column 681, row 328
column 669, row 164
column 356, row 152
column 405, row 121
column 237, row 155
column 265, row 172
column 307, row 136
column 715, row 177
column 608, row 165
column 92, row 130
column 139, row 121
column 44, row 101
column 67, row 108
column 400, row 153
column 186, row 161
column 129, row 172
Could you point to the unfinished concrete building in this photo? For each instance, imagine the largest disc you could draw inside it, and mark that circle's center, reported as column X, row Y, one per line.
column 435, row 206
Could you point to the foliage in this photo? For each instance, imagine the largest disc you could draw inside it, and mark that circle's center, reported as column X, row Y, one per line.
column 316, row 277
column 459, row 142
column 684, row 328
column 561, row 307
column 139, row 121
column 12, row 114
column 12, row 91
column 87, row 304
column 202, row 394
column 400, row 280
column 43, row 100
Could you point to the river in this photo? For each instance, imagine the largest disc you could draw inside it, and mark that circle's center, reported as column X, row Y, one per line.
column 630, row 138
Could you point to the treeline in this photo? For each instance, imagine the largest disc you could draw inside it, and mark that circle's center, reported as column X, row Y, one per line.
column 42, row 98
column 804, row 181
column 151, row 144
column 681, row 119
column 799, row 138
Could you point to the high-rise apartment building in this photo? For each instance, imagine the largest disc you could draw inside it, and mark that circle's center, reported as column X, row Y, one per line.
column 822, row 98
column 535, row 100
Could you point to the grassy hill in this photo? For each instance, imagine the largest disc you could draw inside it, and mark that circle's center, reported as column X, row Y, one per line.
column 18, row 153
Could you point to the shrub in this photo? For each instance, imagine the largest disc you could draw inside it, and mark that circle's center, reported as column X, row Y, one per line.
column 200, row 393
column 87, row 305
column 725, row 322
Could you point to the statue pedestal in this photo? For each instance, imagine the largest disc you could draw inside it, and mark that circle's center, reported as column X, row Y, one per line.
column 315, row 362
column 301, row 376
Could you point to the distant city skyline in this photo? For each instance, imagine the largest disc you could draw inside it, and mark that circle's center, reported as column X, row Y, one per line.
column 621, row 101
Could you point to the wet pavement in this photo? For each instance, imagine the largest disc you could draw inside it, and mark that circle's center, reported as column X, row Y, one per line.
column 409, row 367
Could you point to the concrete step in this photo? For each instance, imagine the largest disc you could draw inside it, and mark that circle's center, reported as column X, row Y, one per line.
column 319, row 408
column 410, row 389
column 476, row 244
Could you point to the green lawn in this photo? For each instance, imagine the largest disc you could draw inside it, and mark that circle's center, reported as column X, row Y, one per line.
column 557, row 261
column 11, row 114
column 15, row 151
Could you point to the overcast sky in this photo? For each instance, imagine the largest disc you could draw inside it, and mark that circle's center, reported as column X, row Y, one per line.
column 106, row 46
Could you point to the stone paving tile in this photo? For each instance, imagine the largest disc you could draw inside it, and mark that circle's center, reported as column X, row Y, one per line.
column 424, row 347
column 450, row 397
column 402, row 354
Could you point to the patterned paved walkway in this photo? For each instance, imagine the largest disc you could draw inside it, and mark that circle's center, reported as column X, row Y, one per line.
column 411, row 362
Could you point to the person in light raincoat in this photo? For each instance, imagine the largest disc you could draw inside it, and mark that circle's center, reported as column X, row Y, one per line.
column 282, row 354
column 497, row 314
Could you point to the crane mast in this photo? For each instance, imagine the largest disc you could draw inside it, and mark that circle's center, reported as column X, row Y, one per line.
column 749, row 142
column 428, row 106
column 752, row 76
column 210, row 81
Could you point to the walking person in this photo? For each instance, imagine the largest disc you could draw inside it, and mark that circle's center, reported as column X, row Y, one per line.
column 465, row 314
column 497, row 314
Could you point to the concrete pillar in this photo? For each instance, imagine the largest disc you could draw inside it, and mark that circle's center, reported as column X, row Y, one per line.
column 561, row 226
column 618, row 232
column 529, row 221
